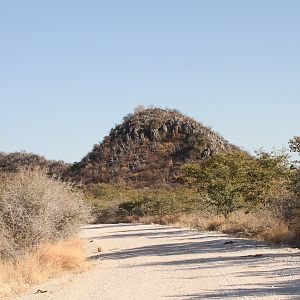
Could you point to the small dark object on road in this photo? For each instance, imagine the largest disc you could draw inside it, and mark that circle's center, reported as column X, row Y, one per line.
column 229, row 242
column 40, row 292
column 253, row 256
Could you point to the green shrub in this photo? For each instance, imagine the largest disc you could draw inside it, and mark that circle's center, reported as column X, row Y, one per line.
column 161, row 202
column 111, row 203
column 293, row 206
column 105, row 198
column 238, row 180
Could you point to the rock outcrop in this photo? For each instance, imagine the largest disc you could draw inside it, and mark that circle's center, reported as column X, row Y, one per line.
column 149, row 148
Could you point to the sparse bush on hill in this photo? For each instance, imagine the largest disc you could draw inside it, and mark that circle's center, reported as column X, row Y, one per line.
column 35, row 209
column 139, row 108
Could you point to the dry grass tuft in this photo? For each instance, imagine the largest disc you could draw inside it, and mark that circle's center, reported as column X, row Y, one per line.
column 297, row 236
column 259, row 225
column 278, row 233
column 238, row 222
column 48, row 261
column 247, row 224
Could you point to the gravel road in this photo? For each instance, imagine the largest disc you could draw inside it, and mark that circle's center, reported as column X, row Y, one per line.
column 160, row 262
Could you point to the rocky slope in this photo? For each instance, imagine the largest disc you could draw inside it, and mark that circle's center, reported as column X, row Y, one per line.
column 10, row 162
column 148, row 149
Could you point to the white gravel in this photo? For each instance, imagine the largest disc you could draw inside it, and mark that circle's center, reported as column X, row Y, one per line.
column 159, row 262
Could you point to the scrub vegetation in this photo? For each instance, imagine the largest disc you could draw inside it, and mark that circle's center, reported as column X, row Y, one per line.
column 253, row 196
column 158, row 166
column 39, row 215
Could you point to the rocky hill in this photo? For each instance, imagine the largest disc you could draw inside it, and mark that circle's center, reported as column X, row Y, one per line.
column 10, row 162
column 148, row 149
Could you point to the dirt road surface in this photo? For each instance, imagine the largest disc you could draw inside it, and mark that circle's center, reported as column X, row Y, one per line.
column 159, row 262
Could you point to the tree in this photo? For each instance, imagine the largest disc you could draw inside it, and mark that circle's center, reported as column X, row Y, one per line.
column 294, row 144
column 235, row 180
column 294, row 209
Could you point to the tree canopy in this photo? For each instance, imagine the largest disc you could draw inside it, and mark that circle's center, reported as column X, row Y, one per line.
column 236, row 180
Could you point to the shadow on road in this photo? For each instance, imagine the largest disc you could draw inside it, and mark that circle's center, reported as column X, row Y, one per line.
column 212, row 251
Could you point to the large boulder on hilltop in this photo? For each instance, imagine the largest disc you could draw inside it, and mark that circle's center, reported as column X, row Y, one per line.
column 148, row 148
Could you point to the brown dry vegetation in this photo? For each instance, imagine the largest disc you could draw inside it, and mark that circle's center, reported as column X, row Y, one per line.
column 259, row 225
column 148, row 149
column 47, row 261
column 38, row 216
column 35, row 209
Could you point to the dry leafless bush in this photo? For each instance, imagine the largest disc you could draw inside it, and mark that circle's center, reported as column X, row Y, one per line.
column 35, row 209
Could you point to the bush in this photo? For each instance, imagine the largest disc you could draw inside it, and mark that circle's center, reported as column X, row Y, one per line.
column 238, row 180
column 162, row 202
column 293, row 212
column 113, row 203
column 104, row 198
column 36, row 208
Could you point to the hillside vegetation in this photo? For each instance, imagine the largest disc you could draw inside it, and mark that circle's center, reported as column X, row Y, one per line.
column 148, row 149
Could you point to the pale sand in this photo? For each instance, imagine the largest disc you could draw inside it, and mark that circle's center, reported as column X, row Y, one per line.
column 159, row 262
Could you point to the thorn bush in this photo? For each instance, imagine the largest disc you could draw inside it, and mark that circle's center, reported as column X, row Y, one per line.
column 36, row 208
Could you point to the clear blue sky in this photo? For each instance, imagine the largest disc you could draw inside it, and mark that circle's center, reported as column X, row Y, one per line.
column 70, row 70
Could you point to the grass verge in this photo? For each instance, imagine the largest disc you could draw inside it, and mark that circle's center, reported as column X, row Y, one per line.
column 260, row 225
column 47, row 261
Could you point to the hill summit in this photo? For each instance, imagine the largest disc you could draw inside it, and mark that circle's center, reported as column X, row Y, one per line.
column 11, row 162
column 148, row 148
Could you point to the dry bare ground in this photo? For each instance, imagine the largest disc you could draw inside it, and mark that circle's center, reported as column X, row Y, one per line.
column 160, row 262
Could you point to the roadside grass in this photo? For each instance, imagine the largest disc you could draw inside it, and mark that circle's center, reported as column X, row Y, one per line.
column 47, row 261
column 297, row 237
column 279, row 233
column 259, row 225
column 185, row 207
